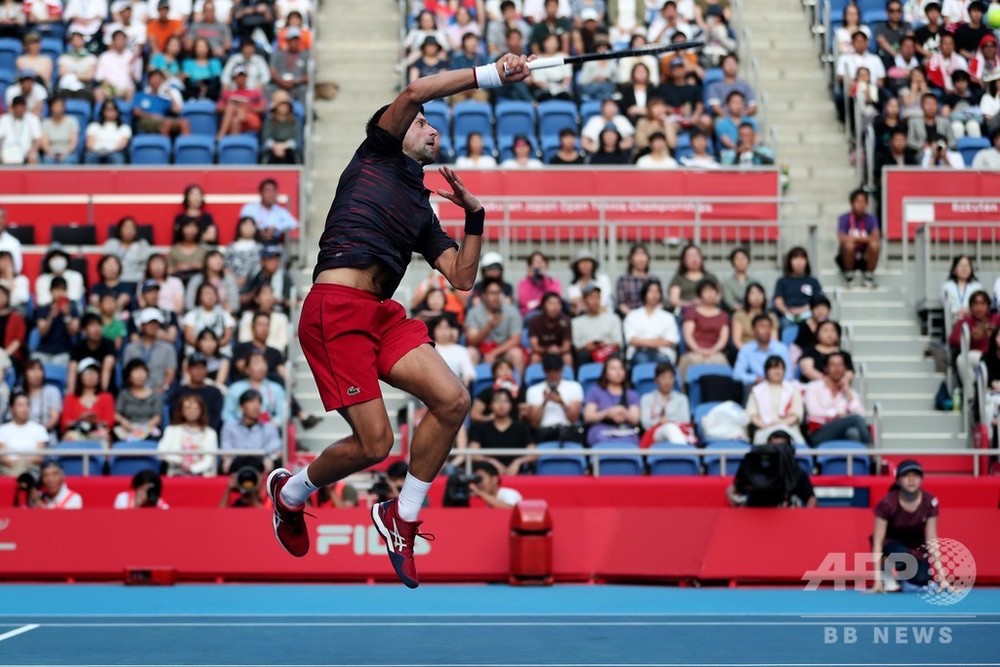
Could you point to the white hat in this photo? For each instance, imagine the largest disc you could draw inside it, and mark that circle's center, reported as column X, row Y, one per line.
column 89, row 362
column 588, row 14
column 491, row 259
column 147, row 315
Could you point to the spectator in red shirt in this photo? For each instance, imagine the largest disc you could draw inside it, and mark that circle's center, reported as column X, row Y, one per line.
column 240, row 106
column 706, row 330
column 980, row 322
column 860, row 239
column 536, row 284
column 88, row 413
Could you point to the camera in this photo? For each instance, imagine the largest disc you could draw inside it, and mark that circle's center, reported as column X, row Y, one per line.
column 381, row 489
column 456, row 492
column 537, row 275
column 25, row 484
column 247, row 480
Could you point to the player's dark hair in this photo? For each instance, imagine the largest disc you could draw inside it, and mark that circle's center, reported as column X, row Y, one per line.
column 377, row 116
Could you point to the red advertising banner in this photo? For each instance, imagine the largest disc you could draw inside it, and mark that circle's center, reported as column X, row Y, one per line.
column 565, row 203
column 962, row 190
column 46, row 197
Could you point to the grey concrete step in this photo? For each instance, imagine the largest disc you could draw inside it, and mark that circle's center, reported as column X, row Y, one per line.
column 903, row 382
column 921, row 421
column 880, row 327
column 900, row 364
column 912, row 440
column 871, row 347
column 896, row 401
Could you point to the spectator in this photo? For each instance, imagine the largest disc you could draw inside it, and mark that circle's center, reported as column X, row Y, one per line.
column 57, row 323
column 896, row 154
column 92, row 345
column 969, row 36
column 489, row 490
column 611, row 149
column 567, row 152
column 28, row 86
column 138, row 409
column 159, row 355
column 700, row 158
column 20, row 134
column 550, row 331
column 942, row 65
column 848, row 63
column 10, row 245
column 597, row 332
column 665, row 413
column 77, row 68
column 890, row 33
column 462, row 26
column 988, row 158
column 683, row 95
column 55, row 494
column 60, row 135
column 553, row 23
column 85, row 17
column 468, row 54
column 657, row 119
column 432, row 60
column 240, row 106
column 194, row 209
column 940, row 157
column 426, row 26
column 906, row 519
column 796, row 287
column 249, row 63
column 113, row 326
column 551, row 82
column 491, row 266
column 13, row 330
column 843, row 38
column 56, row 265
column 135, row 31
column 889, row 122
column 45, row 400
column 272, row 404
column 629, row 288
column 497, row 29
column 775, row 403
column 585, row 272
column 88, row 413
column 145, row 492
column 651, row 332
column 444, row 332
column 243, row 255
column 819, row 307
column 536, row 284
column 992, row 360
column 735, row 286
column 196, row 384
column 814, row 360
column 109, row 270
column 955, row 12
column 163, row 27
column 169, row 289
column 780, row 482
column 188, row 433
column 493, row 328
column 107, row 140
column 133, row 252
column 690, row 272
column 985, row 64
column 214, row 273
column 13, row 19
column 554, row 405
column 251, row 429
column 720, row 90
column 728, row 124
column 20, row 434
column 748, row 150
column 270, row 273
column 502, row 430
column 706, row 329
column 659, row 154
column 117, row 71
column 290, row 67
column 169, row 60
column 519, row 90
column 860, row 239
column 595, row 127
column 434, row 297
column 17, row 286
column 961, row 106
column 210, row 28
column 275, row 358
column 281, row 134
column 835, row 411
column 523, row 157
column 273, row 220
column 187, row 254
column 981, row 323
column 924, row 132
column 208, row 314
column 751, row 362
column 264, row 302
column 626, row 65
column 911, row 96
column 663, row 27
column 202, row 72
column 503, row 378
column 637, row 96
column 475, row 158
column 596, row 78
column 611, row 409
column 32, row 60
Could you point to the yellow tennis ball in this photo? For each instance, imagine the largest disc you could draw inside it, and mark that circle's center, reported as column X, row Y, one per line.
column 993, row 17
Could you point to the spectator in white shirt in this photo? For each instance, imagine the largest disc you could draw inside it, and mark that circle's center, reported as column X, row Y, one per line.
column 609, row 115
column 701, row 158
column 848, row 64
column 86, row 16
column 117, row 70
column 475, row 158
column 659, row 154
column 145, row 492
column 834, row 411
column 651, row 333
column 668, row 22
column 21, row 434
column 56, row 263
column 20, row 132
column 180, row 10
column 135, row 32
column 78, row 66
column 989, row 158
column 28, row 87
column 273, row 220
column 108, row 139
column 522, row 158
column 55, row 494
column 257, row 71
column 488, row 487
column 9, row 243
column 555, row 403
column 942, row 65
column 444, row 331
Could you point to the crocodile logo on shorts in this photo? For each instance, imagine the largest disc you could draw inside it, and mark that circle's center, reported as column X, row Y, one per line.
column 353, row 391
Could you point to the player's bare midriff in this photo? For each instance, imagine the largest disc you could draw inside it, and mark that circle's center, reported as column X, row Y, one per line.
column 369, row 278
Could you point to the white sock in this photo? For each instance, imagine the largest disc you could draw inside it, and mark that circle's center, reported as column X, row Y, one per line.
column 411, row 498
column 297, row 489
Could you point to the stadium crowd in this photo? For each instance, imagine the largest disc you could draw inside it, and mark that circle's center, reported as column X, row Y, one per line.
column 154, row 82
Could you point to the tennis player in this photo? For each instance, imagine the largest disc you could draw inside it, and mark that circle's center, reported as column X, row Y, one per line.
column 353, row 334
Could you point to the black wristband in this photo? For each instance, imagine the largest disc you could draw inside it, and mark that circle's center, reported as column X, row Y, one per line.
column 474, row 221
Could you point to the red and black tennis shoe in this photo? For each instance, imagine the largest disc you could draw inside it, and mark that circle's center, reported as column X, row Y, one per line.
column 289, row 524
column 400, row 536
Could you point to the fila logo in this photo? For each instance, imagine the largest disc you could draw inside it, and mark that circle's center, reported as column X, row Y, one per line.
column 363, row 540
column 353, row 391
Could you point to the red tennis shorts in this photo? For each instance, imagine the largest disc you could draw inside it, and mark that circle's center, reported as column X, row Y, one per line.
column 351, row 338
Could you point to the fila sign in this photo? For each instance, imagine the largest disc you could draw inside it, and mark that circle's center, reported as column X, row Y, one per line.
column 363, row 540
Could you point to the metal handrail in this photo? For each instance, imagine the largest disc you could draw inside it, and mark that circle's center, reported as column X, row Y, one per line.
column 963, row 358
column 286, row 439
column 88, row 454
column 877, row 423
column 982, row 393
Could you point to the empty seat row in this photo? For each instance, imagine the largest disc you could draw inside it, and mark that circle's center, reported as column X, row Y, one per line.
column 194, row 149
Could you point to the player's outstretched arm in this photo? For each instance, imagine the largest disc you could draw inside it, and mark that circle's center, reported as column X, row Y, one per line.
column 400, row 114
column 461, row 266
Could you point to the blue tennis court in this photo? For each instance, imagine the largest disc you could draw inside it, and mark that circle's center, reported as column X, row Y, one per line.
column 500, row 626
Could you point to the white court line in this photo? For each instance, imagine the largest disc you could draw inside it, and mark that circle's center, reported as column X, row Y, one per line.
column 511, row 614
column 19, row 631
column 478, row 624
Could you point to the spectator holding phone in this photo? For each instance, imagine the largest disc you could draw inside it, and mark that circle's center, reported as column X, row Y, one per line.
column 554, row 405
column 612, row 409
column 57, row 323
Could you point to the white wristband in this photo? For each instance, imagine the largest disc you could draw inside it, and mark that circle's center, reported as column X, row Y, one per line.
column 487, row 76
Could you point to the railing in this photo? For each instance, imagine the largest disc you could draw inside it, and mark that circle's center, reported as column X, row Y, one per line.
column 838, row 302
column 982, row 395
column 722, row 455
column 293, row 323
column 946, row 238
column 963, row 358
column 110, row 452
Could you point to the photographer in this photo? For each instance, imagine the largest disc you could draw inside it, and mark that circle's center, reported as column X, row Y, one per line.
column 769, row 476
column 54, row 494
column 938, row 156
column 387, row 486
column 20, row 434
column 487, row 487
column 146, row 491
column 244, row 488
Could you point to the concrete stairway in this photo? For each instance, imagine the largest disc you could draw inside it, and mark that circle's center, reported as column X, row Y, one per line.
column 885, row 336
column 799, row 109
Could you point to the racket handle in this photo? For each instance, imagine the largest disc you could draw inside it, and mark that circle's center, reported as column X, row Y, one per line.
column 545, row 63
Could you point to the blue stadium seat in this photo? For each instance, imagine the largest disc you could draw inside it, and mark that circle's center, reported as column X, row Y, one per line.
column 712, row 75
column 150, row 149
column 34, row 339
column 587, row 375
column 81, row 110
column 588, row 110
column 534, row 374
column 514, row 118
column 617, row 464
column 53, row 48
column 55, row 375
column 554, row 116
column 471, row 116
column 674, row 460
column 238, row 149
column 437, row 114
column 556, row 460
column 7, row 77
column 484, row 379
column 194, row 149
column 644, row 377
column 73, row 465
column 713, row 463
column 130, row 465
column 10, row 49
column 969, row 146
column 699, row 371
column 836, row 464
column 803, row 456
column 201, row 116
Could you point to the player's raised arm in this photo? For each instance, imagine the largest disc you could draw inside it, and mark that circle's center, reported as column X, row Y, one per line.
column 461, row 266
column 400, row 114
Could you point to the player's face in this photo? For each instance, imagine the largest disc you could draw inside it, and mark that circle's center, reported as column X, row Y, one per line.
column 420, row 141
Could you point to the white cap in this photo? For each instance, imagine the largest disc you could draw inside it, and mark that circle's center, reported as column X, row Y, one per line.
column 147, row 315
column 588, row 14
column 89, row 362
column 490, row 259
